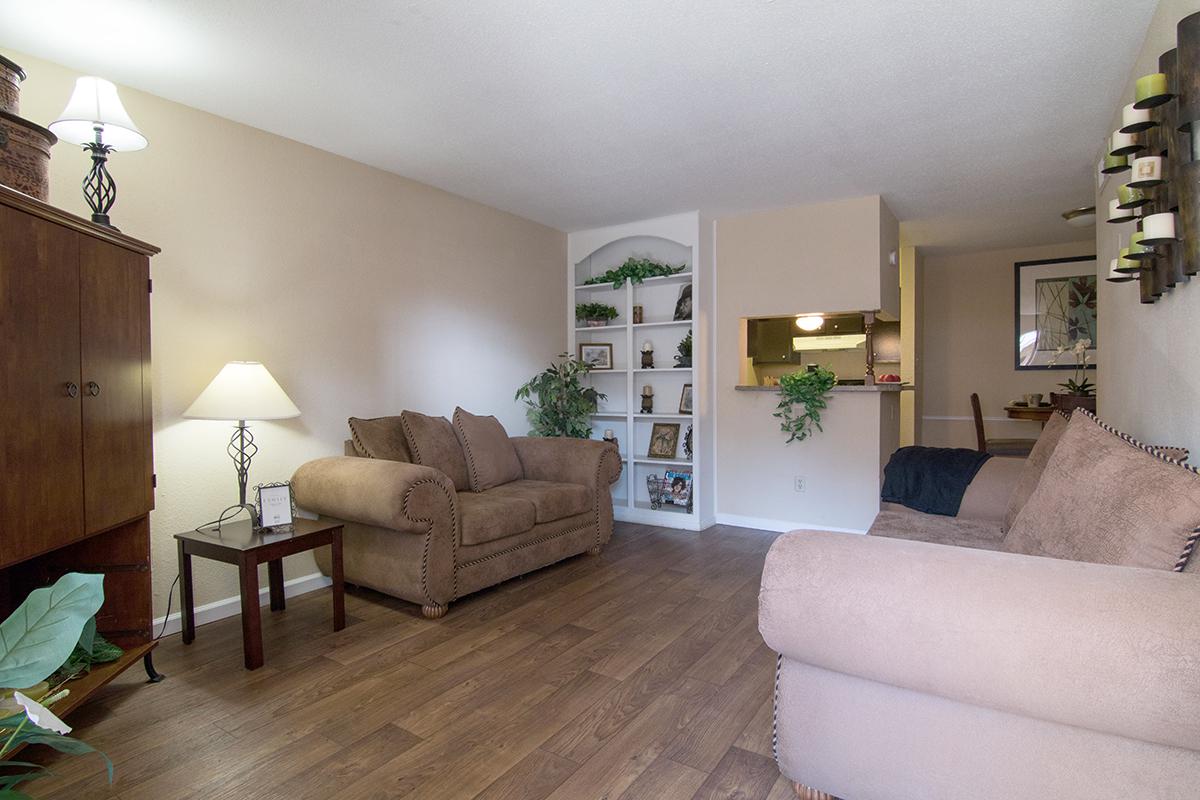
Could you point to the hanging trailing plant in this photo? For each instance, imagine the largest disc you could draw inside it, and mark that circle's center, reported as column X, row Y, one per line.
column 635, row 270
column 558, row 402
column 809, row 391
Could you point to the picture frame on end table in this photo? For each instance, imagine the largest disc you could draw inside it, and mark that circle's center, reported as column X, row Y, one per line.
column 276, row 506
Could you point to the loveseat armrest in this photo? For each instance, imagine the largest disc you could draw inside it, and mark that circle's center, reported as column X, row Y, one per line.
column 1111, row 649
column 371, row 491
column 591, row 463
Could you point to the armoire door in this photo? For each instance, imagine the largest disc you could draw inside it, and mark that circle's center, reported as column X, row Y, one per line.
column 114, row 312
column 41, row 460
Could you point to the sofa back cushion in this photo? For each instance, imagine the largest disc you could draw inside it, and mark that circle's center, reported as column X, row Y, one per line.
column 1035, row 465
column 432, row 443
column 379, row 437
column 1103, row 501
column 491, row 458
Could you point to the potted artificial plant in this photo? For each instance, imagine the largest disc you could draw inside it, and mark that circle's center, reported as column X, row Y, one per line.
column 558, row 402
column 1080, row 391
column 595, row 315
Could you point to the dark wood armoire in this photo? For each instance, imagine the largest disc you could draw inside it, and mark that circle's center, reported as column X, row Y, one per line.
column 76, row 466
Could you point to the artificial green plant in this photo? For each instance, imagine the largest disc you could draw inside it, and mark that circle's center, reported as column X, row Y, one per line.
column 595, row 311
column 803, row 398
column 36, row 641
column 636, row 270
column 558, row 402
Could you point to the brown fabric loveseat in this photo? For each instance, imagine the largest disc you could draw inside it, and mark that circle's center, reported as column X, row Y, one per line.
column 496, row 509
column 1054, row 653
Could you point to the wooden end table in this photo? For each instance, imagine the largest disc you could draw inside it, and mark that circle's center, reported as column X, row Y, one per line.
column 238, row 544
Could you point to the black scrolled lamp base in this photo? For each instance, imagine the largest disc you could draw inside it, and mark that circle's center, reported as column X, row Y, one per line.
column 99, row 188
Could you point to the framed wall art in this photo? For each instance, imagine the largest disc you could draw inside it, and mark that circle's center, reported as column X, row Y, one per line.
column 1054, row 307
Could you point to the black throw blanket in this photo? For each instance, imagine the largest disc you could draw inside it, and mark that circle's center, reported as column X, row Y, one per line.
column 930, row 479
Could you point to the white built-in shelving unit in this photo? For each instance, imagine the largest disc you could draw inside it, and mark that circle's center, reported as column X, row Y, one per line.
column 679, row 239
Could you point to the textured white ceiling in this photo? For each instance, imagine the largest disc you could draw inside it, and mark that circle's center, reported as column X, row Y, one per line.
column 976, row 120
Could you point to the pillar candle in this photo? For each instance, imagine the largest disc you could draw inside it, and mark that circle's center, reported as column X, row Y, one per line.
column 1147, row 171
column 1158, row 229
column 647, row 391
column 1151, row 90
column 1122, row 144
column 1134, row 119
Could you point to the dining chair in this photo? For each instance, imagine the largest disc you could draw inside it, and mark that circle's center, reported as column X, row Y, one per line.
column 997, row 447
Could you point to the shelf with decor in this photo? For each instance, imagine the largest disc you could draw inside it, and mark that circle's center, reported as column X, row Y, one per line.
column 642, row 311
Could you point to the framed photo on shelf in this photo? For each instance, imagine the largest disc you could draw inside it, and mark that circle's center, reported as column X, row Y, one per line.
column 677, row 488
column 685, row 399
column 598, row 355
column 276, row 506
column 664, row 440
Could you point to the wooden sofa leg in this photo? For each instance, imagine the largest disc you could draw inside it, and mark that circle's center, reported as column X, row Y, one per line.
column 805, row 793
column 434, row 611
column 595, row 550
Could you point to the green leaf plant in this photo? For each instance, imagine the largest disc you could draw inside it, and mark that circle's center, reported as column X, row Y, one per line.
column 558, row 402
column 35, row 642
column 595, row 311
column 635, row 270
column 803, row 399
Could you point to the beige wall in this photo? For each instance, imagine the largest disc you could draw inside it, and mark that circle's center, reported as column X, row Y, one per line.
column 815, row 258
column 967, row 344
column 363, row 292
column 1150, row 354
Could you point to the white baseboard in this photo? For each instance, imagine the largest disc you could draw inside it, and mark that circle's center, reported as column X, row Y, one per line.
column 780, row 525
column 232, row 606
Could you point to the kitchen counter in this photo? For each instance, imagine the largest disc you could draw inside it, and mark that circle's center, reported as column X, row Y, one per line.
column 879, row 387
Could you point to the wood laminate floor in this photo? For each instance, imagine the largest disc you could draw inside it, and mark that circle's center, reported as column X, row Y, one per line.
column 636, row 674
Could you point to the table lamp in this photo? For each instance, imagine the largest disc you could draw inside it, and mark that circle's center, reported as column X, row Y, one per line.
column 95, row 118
column 242, row 390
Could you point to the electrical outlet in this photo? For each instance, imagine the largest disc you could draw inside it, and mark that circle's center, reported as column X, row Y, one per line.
column 799, row 483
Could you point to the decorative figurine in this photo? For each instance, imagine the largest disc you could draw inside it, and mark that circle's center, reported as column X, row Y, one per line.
column 647, row 355
column 647, row 399
column 637, row 315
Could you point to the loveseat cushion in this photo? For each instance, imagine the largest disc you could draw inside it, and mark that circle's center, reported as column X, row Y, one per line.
column 432, row 443
column 1103, row 501
column 1035, row 465
column 491, row 458
column 488, row 516
column 379, row 437
column 551, row 500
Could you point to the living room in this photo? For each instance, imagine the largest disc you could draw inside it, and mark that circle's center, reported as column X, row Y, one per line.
column 751, row 262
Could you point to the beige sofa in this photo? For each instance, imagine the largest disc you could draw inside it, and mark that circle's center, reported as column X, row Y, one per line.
column 412, row 533
column 913, row 670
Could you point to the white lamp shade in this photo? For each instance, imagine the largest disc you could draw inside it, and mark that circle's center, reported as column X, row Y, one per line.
column 95, row 104
column 243, row 390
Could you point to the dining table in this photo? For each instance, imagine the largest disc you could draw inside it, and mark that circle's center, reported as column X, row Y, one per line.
column 1039, row 413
